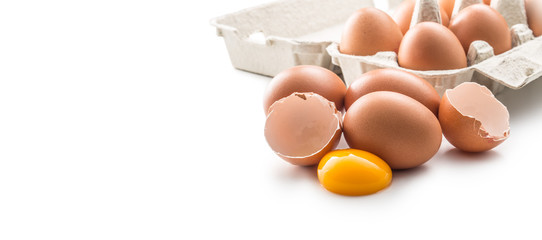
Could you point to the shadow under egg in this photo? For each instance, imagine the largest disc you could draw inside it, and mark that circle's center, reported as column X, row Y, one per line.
column 296, row 173
column 459, row 156
column 406, row 174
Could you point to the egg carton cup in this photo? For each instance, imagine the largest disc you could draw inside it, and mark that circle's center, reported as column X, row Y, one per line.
column 270, row 38
column 514, row 68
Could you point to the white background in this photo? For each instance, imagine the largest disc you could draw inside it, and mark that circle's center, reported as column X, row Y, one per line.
column 125, row 120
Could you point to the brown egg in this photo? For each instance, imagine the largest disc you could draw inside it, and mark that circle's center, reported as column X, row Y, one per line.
column 305, row 78
column 403, row 15
column 481, row 22
column 431, row 46
column 447, row 5
column 487, row 2
column 302, row 128
column 397, row 128
column 393, row 80
column 368, row 31
column 472, row 119
column 534, row 16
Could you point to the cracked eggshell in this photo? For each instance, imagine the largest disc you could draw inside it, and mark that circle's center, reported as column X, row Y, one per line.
column 394, row 80
column 395, row 127
column 472, row 119
column 305, row 78
column 302, row 127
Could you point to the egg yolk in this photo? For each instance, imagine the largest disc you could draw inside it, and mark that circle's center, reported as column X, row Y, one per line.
column 353, row 172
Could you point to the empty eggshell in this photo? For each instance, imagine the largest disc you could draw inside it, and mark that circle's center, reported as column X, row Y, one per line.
column 395, row 127
column 305, row 78
column 472, row 119
column 394, row 80
column 481, row 22
column 302, row 128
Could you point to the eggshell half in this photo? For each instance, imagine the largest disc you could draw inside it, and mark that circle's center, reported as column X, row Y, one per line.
column 394, row 80
column 302, row 128
column 472, row 119
column 397, row 128
column 305, row 78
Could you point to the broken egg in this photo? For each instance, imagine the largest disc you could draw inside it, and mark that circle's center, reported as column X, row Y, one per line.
column 393, row 80
column 431, row 46
column 472, row 119
column 305, row 78
column 302, row 128
column 368, row 31
column 353, row 172
column 481, row 22
column 395, row 127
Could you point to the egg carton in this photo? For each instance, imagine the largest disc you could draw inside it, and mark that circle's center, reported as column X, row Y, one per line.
column 270, row 38
column 514, row 68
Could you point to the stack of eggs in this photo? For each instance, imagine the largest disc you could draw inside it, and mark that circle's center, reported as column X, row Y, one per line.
column 390, row 119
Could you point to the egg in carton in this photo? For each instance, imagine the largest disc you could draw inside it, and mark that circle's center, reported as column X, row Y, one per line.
column 270, row 38
column 273, row 37
column 514, row 68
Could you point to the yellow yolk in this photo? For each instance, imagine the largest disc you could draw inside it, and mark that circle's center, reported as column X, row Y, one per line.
column 353, row 172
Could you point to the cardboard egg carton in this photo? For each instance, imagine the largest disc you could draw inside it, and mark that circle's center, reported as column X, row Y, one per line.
column 270, row 38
